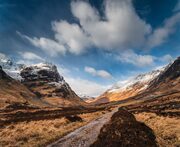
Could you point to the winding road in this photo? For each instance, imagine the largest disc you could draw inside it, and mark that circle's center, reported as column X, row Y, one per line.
column 86, row 135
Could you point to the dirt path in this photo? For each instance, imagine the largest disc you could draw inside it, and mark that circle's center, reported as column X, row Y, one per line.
column 84, row 136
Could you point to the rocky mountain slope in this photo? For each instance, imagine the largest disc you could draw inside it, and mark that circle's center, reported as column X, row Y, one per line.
column 128, row 88
column 42, row 81
column 13, row 92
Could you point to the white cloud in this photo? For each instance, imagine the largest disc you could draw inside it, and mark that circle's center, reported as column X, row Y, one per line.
column 86, row 87
column 30, row 56
column 161, row 34
column 119, row 28
column 71, row 35
column 62, row 70
column 49, row 46
column 99, row 73
column 177, row 7
column 166, row 58
column 82, row 86
column 131, row 57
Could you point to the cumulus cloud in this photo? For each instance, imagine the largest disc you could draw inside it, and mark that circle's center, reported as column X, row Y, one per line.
column 119, row 28
column 99, row 73
column 86, row 87
column 71, row 36
column 30, row 56
column 49, row 46
column 82, row 86
column 131, row 57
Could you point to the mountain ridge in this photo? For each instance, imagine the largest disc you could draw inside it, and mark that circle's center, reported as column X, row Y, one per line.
column 42, row 81
column 138, row 84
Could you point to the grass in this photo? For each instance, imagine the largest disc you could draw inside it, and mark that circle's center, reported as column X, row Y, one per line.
column 41, row 133
column 166, row 129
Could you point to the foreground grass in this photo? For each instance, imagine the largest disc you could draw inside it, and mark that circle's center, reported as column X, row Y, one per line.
column 40, row 133
column 166, row 129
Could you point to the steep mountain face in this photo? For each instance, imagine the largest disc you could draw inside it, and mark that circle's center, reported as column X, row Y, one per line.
column 44, row 80
column 12, row 91
column 128, row 88
column 168, row 80
column 171, row 72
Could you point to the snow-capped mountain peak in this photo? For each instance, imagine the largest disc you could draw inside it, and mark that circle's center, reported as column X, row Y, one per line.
column 144, row 79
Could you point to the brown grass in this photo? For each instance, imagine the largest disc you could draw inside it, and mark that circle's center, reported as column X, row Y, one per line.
column 166, row 129
column 40, row 133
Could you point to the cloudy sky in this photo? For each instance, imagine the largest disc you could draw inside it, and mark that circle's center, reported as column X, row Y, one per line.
column 94, row 43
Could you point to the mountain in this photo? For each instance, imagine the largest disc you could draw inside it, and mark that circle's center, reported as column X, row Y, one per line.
column 162, row 96
column 44, row 80
column 87, row 98
column 158, row 81
column 128, row 88
column 13, row 92
column 168, row 81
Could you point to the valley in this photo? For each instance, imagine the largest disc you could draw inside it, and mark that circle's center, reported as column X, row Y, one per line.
column 43, row 106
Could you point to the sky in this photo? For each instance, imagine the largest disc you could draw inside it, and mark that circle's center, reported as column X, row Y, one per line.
column 94, row 43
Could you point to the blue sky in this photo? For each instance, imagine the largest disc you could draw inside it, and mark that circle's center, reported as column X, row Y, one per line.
column 94, row 43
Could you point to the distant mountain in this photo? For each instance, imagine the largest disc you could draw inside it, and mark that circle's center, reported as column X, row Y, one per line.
column 42, row 81
column 86, row 98
column 130, row 87
column 164, row 79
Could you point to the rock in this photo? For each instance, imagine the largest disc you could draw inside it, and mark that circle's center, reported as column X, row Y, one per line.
column 124, row 131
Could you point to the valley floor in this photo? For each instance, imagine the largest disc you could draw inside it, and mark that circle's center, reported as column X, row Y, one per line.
column 25, row 131
column 74, row 127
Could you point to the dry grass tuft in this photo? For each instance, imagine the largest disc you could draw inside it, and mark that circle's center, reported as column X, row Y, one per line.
column 166, row 129
column 40, row 133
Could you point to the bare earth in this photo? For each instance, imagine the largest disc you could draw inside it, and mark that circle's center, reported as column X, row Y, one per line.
column 86, row 135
